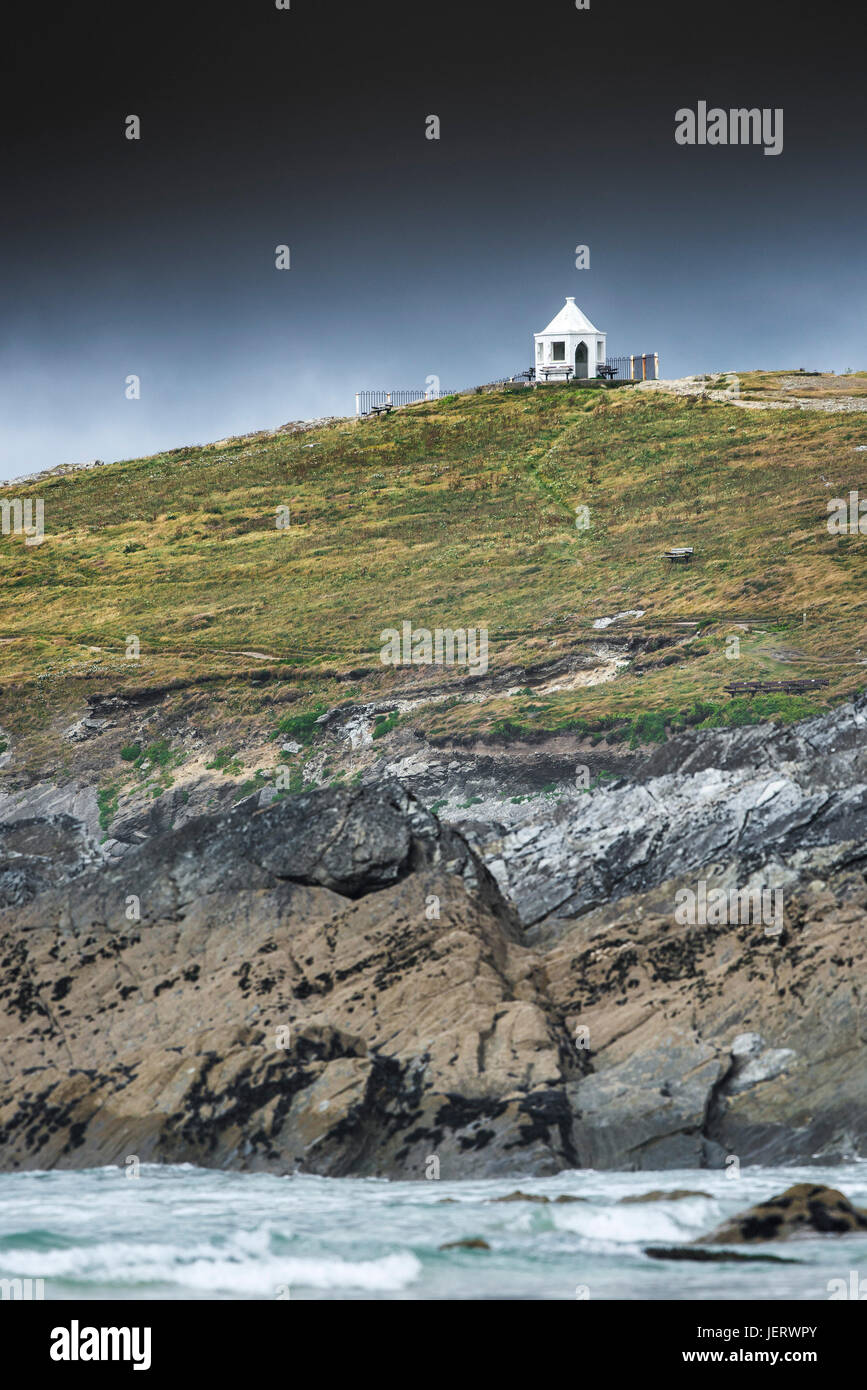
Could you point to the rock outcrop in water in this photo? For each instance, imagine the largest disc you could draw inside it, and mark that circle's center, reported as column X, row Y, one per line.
column 802, row 1210
column 338, row 982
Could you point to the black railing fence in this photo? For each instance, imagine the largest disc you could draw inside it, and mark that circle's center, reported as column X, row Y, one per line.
column 642, row 366
column 639, row 367
column 365, row 400
column 619, row 368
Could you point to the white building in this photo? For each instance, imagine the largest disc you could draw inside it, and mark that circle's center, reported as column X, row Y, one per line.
column 570, row 340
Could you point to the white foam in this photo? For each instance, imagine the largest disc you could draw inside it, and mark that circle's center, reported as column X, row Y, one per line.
column 388, row 1274
column 634, row 1223
column 243, row 1265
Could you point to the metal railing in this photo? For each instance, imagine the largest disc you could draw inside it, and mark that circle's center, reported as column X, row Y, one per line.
column 639, row 367
column 365, row 400
column 642, row 366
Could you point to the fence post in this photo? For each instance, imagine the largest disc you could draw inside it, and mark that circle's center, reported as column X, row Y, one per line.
column 644, row 366
column 631, row 367
column 358, row 402
column 656, row 366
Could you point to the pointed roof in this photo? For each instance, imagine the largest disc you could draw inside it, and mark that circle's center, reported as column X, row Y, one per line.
column 569, row 320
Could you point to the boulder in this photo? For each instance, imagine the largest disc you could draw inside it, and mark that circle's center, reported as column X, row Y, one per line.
column 677, row 1194
column 685, row 1252
column 473, row 1244
column 804, row 1209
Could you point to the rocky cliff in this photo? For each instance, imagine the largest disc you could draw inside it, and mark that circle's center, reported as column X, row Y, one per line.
column 340, row 982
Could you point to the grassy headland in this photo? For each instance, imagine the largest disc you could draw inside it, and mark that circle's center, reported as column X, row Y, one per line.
column 456, row 513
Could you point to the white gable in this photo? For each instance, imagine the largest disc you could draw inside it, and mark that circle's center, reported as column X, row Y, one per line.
column 569, row 320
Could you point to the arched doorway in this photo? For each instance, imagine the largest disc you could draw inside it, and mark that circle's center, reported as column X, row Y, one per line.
column 581, row 360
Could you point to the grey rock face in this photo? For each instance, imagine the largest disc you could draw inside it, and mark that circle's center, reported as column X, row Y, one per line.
column 753, row 1062
column 771, row 802
column 38, row 852
column 145, row 977
column 87, row 728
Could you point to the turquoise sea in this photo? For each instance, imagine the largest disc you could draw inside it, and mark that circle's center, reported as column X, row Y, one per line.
column 181, row 1232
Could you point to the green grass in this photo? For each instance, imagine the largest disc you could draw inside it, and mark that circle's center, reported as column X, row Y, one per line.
column 252, row 784
column 454, row 513
column 300, row 728
column 158, row 754
column 384, row 724
column 106, row 800
column 657, row 725
column 225, row 760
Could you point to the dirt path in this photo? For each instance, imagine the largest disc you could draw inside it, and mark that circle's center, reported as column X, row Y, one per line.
column 731, row 395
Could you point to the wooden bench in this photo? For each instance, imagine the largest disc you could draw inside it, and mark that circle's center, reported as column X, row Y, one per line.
column 794, row 686
column 679, row 554
column 385, row 408
column 562, row 367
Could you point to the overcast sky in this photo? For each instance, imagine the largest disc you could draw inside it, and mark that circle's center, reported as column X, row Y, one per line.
column 410, row 257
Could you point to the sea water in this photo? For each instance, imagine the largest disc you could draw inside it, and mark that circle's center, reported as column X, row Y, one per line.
column 181, row 1232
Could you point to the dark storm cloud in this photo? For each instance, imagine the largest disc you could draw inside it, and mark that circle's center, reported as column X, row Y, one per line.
column 410, row 257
